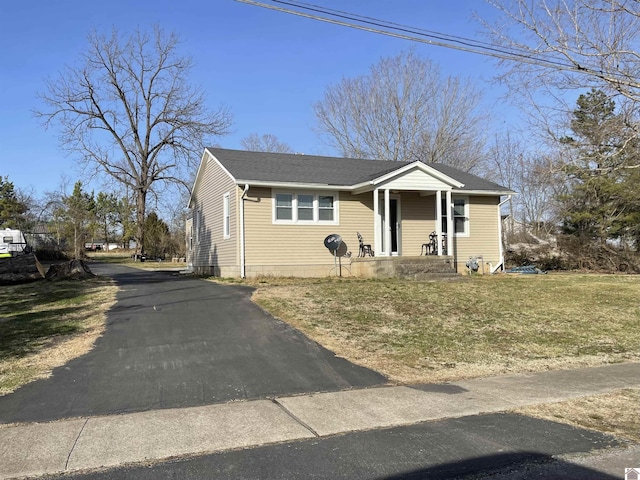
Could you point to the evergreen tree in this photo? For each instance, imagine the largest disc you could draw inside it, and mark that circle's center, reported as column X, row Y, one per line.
column 106, row 214
column 79, row 218
column 12, row 209
column 157, row 234
column 604, row 199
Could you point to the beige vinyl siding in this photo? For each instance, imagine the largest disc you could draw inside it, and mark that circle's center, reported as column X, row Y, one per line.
column 267, row 243
column 211, row 249
column 417, row 216
column 483, row 236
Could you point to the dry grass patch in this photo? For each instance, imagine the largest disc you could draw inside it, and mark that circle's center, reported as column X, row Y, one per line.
column 45, row 324
column 438, row 331
column 613, row 413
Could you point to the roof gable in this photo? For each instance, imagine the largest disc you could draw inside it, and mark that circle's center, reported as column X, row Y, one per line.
column 413, row 176
column 204, row 160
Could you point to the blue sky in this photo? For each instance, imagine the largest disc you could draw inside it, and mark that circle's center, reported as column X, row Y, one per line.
column 268, row 67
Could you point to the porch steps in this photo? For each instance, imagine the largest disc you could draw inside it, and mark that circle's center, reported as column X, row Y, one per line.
column 422, row 268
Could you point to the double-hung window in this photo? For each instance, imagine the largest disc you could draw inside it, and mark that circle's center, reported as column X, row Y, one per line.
column 226, row 216
column 460, row 216
column 284, row 207
column 304, row 208
column 325, row 208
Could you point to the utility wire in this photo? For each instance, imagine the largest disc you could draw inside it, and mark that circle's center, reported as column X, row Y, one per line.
column 405, row 28
column 404, row 32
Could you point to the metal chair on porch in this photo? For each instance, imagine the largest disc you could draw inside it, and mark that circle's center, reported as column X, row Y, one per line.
column 430, row 248
column 365, row 248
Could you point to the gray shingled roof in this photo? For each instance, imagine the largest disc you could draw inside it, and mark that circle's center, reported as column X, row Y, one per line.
column 247, row 166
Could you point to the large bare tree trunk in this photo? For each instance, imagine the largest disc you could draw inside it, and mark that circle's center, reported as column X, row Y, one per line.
column 141, row 204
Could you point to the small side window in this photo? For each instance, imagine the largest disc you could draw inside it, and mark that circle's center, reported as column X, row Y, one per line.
column 227, row 216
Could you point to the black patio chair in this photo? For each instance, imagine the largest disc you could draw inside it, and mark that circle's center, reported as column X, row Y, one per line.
column 430, row 248
column 365, row 248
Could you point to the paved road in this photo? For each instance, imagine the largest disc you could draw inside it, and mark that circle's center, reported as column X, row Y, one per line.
column 173, row 342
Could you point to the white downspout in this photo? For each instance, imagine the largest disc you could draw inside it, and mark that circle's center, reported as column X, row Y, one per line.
column 242, row 252
column 494, row 269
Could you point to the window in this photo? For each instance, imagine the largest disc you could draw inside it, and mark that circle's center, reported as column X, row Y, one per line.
column 305, row 208
column 226, row 216
column 460, row 216
column 325, row 208
column 196, row 223
column 284, row 206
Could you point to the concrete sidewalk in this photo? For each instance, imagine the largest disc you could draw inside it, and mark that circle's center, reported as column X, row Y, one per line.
column 94, row 442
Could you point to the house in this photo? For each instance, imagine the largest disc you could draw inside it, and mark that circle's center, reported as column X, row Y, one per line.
column 255, row 213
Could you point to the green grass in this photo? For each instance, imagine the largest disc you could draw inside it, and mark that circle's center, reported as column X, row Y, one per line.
column 418, row 331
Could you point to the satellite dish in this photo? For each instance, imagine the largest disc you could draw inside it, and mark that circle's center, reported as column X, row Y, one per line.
column 333, row 242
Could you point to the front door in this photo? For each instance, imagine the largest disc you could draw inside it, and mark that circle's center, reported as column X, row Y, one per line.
column 394, row 225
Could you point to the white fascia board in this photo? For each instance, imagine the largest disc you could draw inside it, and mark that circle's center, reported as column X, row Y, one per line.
column 484, row 192
column 206, row 157
column 294, row 186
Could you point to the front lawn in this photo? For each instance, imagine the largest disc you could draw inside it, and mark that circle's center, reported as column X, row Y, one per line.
column 440, row 331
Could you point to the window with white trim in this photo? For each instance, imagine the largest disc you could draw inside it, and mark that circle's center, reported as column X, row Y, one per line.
column 226, row 216
column 305, row 208
column 325, row 208
column 460, row 216
column 196, row 224
column 284, row 207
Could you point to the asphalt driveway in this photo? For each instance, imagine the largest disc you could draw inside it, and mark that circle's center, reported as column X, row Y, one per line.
column 174, row 341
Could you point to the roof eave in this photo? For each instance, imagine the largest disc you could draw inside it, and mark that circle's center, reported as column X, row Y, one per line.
column 294, row 185
column 485, row 192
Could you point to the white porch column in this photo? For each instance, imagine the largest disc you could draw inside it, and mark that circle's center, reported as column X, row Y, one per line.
column 450, row 232
column 377, row 241
column 439, row 221
column 387, row 224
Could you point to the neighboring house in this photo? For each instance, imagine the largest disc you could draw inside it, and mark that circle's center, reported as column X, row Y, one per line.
column 256, row 213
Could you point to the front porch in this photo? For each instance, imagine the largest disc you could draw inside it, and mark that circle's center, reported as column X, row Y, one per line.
column 430, row 267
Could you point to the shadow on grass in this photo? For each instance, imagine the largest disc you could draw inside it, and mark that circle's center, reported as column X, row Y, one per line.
column 32, row 314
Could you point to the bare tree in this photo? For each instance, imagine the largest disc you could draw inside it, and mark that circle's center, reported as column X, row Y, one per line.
column 564, row 45
column 536, row 179
column 264, row 143
column 129, row 109
column 404, row 110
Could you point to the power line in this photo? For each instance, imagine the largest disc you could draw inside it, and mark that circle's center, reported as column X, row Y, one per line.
column 405, row 28
column 413, row 34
